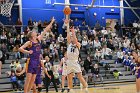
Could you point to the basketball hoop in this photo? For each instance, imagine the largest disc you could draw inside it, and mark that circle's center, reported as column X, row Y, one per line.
column 6, row 8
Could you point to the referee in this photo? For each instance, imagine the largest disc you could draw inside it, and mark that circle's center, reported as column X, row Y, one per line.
column 48, row 80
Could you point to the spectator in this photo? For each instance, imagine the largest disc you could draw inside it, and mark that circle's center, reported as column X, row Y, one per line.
column 84, row 43
column 44, row 45
column 103, row 41
column 45, row 23
column 97, row 26
column 18, row 40
column 30, row 23
column 97, row 43
column 107, row 69
column 24, row 38
column 87, row 64
column 126, row 62
column 4, row 51
column 19, row 23
column 60, row 39
column 40, row 26
column 76, row 22
column 126, row 43
column 89, row 46
column 110, row 44
column 52, row 46
column 17, row 64
column 58, row 45
column 56, row 75
column 13, row 80
column 20, row 77
column 119, row 56
column 61, row 52
column 3, row 37
column 135, row 24
column 95, row 72
column 12, row 66
column 118, row 29
column 79, row 37
column 132, row 46
column 13, row 31
column 17, row 53
column 104, row 32
column 92, row 33
column 27, row 29
column 84, row 36
column 115, row 42
column 55, row 29
column 98, row 54
column 10, row 44
column 106, row 53
column 35, row 26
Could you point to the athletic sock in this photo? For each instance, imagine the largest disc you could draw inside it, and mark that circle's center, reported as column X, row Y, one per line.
column 85, row 90
column 81, row 86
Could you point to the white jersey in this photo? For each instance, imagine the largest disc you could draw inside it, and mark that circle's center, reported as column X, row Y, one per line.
column 72, row 52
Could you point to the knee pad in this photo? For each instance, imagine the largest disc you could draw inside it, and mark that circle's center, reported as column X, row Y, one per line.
column 39, row 89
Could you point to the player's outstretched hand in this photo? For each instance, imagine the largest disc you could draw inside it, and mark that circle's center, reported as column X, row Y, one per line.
column 53, row 19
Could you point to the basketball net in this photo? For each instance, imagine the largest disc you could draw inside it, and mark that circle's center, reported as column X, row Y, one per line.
column 6, row 8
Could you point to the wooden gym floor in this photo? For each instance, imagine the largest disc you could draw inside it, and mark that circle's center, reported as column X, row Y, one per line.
column 109, row 88
column 116, row 88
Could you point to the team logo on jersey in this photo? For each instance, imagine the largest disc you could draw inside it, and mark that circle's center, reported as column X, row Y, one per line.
column 38, row 48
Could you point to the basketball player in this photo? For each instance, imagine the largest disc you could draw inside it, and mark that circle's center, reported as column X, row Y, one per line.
column 38, row 79
column 63, row 63
column 72, row 62
column 34, row 51
column 137, row 60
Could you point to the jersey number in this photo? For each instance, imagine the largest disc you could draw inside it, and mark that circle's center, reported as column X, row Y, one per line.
column 72, row 49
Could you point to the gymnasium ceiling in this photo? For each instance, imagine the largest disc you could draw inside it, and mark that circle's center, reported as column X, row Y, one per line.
column 135, row 3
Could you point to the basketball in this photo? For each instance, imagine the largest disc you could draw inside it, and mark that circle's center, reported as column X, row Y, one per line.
column 67, row 10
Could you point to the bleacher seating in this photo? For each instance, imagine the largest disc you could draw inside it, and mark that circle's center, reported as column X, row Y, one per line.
column 5, row 84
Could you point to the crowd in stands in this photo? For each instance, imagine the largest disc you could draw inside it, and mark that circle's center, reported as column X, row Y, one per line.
column 98, row 43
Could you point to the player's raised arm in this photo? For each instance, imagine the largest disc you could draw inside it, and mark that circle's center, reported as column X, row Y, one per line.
column 68, row 30
column 75, row 38
column 47, row 29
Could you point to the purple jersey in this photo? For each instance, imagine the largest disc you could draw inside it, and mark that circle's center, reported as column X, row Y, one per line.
column 34, row 58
